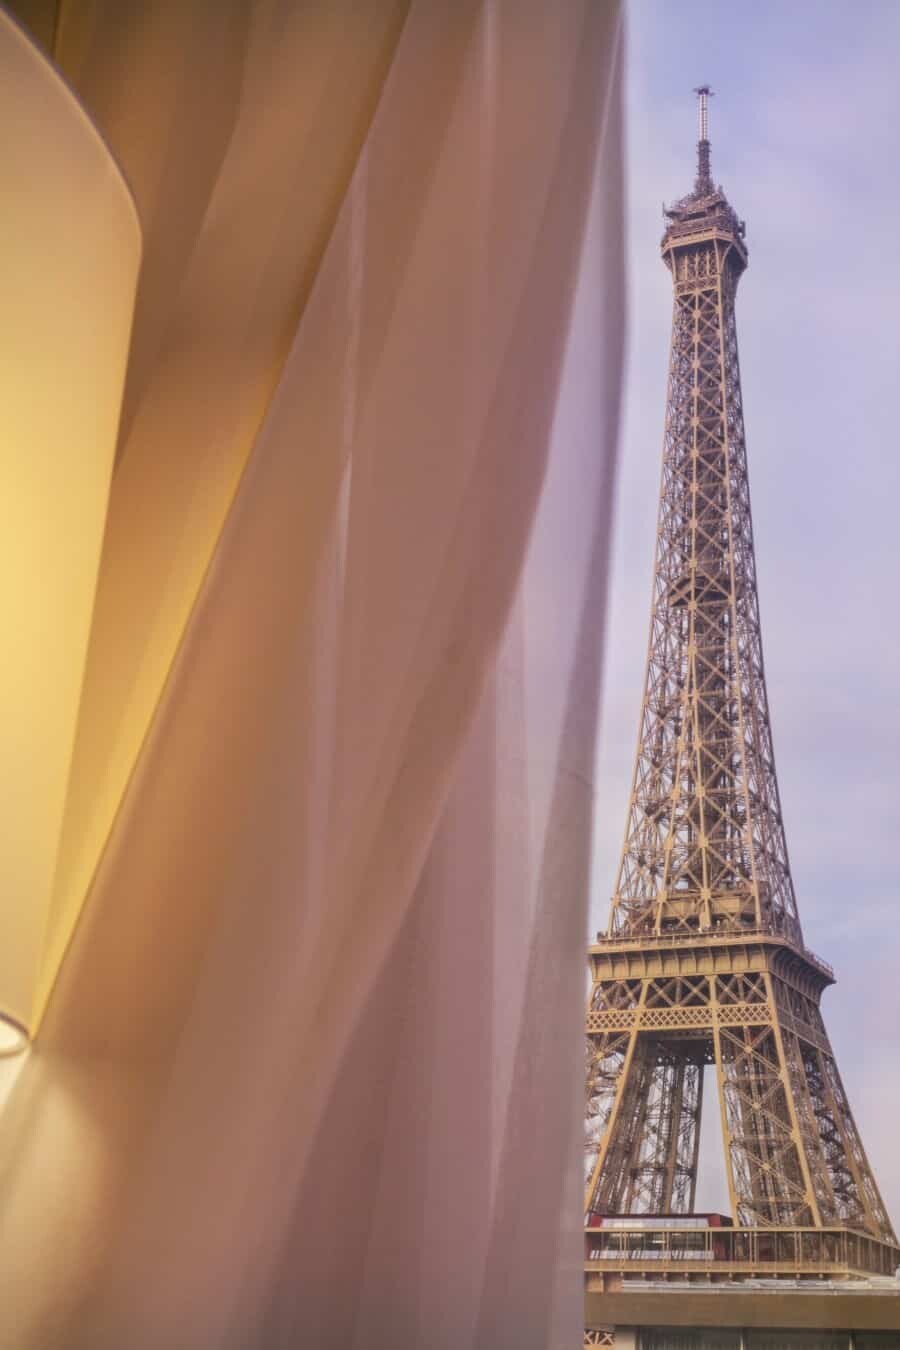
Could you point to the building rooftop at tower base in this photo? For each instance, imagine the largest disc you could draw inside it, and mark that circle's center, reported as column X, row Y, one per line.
column 655, row 1315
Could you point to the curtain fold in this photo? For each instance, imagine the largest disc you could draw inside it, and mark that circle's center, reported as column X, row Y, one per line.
column 309, row 1072
column 238, row 127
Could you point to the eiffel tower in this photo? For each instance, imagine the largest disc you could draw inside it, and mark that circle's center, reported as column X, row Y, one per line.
column 704, row 961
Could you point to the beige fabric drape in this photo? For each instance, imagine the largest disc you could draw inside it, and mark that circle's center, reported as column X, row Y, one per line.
column 238, row 126
column 309, row 1072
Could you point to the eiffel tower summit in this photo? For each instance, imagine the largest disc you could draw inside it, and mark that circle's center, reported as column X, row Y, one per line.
column 704, row 962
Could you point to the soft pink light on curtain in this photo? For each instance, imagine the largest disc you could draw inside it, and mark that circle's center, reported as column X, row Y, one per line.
column 309, row 1075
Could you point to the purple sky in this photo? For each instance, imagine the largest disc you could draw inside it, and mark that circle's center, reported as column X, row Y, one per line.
column 805, row 131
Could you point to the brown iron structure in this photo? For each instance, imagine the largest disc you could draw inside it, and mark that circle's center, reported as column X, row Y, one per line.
column 704, row 961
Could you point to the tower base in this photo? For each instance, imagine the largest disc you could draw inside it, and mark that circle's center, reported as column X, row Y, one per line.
column 755, row 1315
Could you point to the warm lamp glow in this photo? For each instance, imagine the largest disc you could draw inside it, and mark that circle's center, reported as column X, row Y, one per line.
column 13, row 1038
column 70, row 243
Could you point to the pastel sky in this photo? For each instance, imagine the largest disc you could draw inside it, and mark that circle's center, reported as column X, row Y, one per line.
column 805, row 132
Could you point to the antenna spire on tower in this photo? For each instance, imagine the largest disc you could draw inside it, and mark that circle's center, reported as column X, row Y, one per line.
column 704, row 179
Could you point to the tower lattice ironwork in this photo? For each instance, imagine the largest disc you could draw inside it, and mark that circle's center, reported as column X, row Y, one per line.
column 704, row 960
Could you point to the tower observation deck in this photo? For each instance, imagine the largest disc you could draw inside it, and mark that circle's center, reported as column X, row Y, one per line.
column 704, row 960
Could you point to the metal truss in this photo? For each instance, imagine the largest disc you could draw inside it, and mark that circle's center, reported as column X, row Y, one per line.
column 793, row 1151
column 704, row 844
column 704, row 961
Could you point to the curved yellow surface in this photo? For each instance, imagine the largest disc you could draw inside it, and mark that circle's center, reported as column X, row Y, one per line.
column 70, row 244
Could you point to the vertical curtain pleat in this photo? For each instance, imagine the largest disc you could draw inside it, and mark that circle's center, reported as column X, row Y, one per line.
column 501, row 912
column 309, row 1072
column 239, row 126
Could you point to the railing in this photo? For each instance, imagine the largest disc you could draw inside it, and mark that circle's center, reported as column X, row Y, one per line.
column 818, row 961
column 717, row 936
column 787, row 1251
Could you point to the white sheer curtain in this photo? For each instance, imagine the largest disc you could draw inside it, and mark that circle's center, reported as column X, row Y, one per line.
column 309, row 1075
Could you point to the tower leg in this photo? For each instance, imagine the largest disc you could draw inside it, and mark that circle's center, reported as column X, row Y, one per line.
column 665, row 1133
column 762, row 1145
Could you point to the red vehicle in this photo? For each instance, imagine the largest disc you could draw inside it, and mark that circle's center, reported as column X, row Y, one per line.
column 645, row 1236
